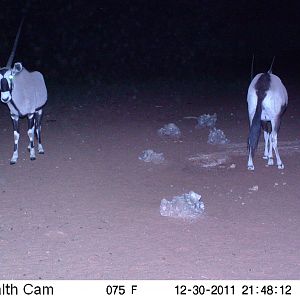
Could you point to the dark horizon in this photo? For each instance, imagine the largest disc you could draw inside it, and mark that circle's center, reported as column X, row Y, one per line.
column 114, row 40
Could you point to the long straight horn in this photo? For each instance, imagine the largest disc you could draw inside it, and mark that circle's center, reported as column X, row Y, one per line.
column 12, row 55
column 270, row 70
column 252, row 66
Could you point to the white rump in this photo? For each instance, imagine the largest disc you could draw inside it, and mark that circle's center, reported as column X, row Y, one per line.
column 29, row 91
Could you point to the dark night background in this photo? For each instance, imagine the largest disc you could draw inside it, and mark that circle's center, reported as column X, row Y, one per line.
column 116, row 72
column 117, row 40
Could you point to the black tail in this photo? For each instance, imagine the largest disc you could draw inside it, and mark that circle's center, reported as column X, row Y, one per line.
column 262, row 86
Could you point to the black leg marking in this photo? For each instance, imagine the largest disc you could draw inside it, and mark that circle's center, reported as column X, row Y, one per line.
column 30, row 127
column 38, row 128
column 31, row 135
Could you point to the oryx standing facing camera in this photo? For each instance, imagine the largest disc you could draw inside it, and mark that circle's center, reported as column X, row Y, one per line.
column 267, row 101
column 25, row 94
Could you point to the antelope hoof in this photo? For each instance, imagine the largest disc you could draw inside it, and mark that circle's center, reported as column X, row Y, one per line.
column 280, row 167
column 32, row 158
column 14, row 159
column 41, row 149
column 270, row 162
column 251, row 168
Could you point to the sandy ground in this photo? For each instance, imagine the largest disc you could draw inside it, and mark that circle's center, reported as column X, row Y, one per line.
column 89, row 208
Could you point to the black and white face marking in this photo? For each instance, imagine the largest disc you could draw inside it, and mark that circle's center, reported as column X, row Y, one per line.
column 6, row 84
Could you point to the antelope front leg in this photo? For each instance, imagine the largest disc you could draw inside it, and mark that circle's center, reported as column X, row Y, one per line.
column 15, row 120
column 38, row 127
column 30, row 133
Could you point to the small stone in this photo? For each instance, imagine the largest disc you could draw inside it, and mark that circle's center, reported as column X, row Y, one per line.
column 254, row 188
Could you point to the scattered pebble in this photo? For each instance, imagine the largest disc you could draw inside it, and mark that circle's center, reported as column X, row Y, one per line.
column 170, row 130
column 151, row 156
column 188, row 205
column 254, row 188
column 206, row 120
column 217, row 137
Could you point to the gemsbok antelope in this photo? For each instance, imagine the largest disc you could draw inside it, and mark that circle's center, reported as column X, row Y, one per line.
column 25, row 94
column 267, row 101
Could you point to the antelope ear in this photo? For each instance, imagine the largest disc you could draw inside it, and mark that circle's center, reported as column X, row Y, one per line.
column 17, row 68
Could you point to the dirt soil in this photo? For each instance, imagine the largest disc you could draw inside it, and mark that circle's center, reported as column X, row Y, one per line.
column 89, row 208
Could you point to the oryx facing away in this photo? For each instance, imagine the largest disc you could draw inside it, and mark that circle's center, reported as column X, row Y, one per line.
column 25, row 94
column 267, row 101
